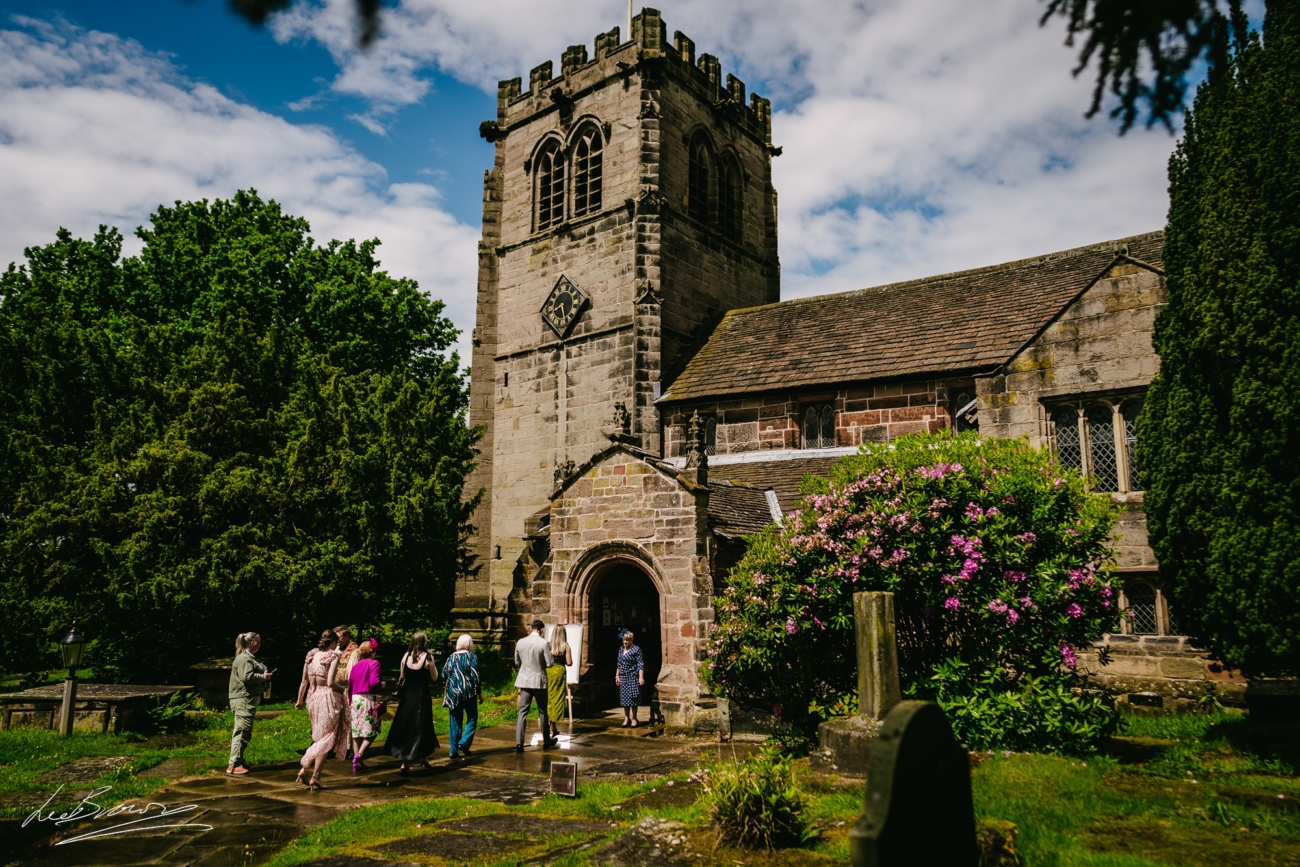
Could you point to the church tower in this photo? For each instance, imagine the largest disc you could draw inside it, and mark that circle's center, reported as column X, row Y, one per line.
column 629, row 205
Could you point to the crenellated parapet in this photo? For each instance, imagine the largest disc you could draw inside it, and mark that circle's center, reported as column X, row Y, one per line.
column 650, row 52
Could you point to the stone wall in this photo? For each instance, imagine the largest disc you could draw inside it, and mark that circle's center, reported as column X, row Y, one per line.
column 627, row 509
column 863, row 414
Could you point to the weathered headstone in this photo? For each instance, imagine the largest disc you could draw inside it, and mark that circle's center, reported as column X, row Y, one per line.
column 918, row 807
column 844, row 745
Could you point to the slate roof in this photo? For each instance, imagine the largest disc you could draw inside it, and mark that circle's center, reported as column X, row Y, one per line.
column 969, row 321
column 737, row 510
column 781, row 476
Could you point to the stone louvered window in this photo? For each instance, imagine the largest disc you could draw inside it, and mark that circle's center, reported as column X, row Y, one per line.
column 587, row 173
column 1097, row 438
column 819, row 427
column 550, row 187
column 731, row 204
column 700, row 179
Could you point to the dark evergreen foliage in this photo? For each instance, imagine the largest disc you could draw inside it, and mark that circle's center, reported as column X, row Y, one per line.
column 1219, row 441
column 236, row 429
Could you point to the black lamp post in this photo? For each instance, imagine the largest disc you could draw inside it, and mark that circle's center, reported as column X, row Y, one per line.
column 73, row 646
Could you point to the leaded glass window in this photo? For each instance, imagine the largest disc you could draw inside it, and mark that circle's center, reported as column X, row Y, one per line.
column 1101, row 449
column 819, row 427
column 1069, row 449
column 587, row 173
column 711, row 437
column 550, row 188
column 701, row 168
column 1142, row 604
column 1131, row 410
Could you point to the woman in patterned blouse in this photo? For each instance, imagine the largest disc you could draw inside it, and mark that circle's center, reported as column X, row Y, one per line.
column 630, row 677
column 464, row 691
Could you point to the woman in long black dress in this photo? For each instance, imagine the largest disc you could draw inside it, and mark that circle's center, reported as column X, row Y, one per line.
column 411, row 737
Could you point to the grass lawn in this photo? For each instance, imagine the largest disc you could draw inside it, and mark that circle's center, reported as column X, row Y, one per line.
column 1177, row 790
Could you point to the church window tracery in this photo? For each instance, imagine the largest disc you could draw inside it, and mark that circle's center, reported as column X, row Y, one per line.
column 550, row 187
column 700, row 179
column 819, row 427
column 588, row 169
column 1098, row 438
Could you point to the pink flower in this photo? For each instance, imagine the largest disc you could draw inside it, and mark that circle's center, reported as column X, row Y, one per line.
column 1074, row 610
column 997, row 606
column 952, row 603
column 1014, row 576
column 1013, row 617
column 1067, row 653
column 790, row 627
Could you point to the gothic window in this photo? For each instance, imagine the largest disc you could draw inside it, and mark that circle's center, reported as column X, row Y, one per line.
column 1102, row 460
column 1069, row 450
column 550, row 187
column 819, row 427
column 1130, row 412
column 1142, row 604
column 587, row 169
column 701, row 170
column 711, row 437
column 730, row 199
column 1097, row 438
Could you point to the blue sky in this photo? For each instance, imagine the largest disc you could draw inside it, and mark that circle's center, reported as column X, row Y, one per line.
column 920, row 136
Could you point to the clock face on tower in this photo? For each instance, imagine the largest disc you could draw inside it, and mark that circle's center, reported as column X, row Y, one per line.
column 563, row 306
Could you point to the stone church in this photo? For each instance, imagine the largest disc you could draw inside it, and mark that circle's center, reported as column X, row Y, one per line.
column 647, row 399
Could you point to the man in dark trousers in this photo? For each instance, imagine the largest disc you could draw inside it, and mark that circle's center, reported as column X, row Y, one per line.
column 533, row 656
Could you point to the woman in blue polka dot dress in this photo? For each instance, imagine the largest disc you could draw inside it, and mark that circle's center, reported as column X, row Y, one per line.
column 630, row 677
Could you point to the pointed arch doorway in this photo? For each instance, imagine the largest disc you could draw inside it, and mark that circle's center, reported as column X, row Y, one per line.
column 621, row 597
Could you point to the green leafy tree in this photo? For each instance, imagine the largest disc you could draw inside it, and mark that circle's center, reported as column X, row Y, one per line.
column 235, row 429
column 1219, row 439
column 997, row 561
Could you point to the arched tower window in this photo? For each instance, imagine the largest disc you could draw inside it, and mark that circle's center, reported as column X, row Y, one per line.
column 587, row 172
column 731, row 191
column 1101, row 449
column 550, row 187
column 701, row 177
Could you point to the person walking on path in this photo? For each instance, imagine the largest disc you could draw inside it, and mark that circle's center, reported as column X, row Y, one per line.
column 463, row 693
column 557, row 678
column 324, row 701
column 347, row 655
column 248, row 678
column 533, row 656
column 366, row 687
column 411, row 737
column 630, row 677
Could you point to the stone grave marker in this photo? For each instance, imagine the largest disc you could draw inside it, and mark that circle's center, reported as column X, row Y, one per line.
column 918, row 806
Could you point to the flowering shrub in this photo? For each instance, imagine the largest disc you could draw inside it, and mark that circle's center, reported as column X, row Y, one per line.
column 995, row 556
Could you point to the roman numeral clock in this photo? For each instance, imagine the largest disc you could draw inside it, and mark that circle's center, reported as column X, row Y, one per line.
column 563, row 306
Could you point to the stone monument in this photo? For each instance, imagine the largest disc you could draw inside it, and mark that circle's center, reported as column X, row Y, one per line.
column 845, row 744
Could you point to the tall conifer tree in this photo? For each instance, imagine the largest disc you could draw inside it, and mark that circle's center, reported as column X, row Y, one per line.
column 1219, row 443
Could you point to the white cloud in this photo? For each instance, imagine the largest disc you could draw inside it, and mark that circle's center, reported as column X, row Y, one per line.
column 94, row 129
column 920, row 136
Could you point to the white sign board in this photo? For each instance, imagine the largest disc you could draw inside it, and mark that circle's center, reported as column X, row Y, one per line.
column 572, row 632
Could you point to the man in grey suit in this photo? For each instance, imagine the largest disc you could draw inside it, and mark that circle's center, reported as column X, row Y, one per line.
column 533, row 656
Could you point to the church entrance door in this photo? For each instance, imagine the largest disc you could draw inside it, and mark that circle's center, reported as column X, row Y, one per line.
column 623, row 598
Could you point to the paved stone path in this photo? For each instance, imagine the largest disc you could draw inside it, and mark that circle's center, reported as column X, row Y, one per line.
column 251, row 817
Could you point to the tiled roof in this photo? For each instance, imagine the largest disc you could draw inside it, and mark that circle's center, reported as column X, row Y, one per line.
column 781, row 476
column 963, row 322
column 736, row 510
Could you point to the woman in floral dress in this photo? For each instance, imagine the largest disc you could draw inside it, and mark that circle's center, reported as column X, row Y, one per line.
column 366, row 687
column 324, row 702
column 630, row 677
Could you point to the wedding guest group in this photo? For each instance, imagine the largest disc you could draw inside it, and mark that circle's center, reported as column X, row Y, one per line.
column 248, row 679
column 463, row 692
column 411, row 737
column 533, row 657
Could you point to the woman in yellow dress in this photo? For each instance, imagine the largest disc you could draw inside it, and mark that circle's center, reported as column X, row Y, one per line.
column 557, row 681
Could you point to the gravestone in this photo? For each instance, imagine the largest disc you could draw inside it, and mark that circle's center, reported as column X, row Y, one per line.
column 844, row 745
column 918, row 806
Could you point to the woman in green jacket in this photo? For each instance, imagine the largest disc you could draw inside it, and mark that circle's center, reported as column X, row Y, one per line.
column 248, row 678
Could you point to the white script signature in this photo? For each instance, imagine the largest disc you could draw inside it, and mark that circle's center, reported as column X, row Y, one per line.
column 138, row 817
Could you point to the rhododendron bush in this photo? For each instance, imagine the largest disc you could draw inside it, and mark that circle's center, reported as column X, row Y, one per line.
column 997, row 558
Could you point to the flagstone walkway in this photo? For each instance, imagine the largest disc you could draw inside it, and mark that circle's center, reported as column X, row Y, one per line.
column 245, row 820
